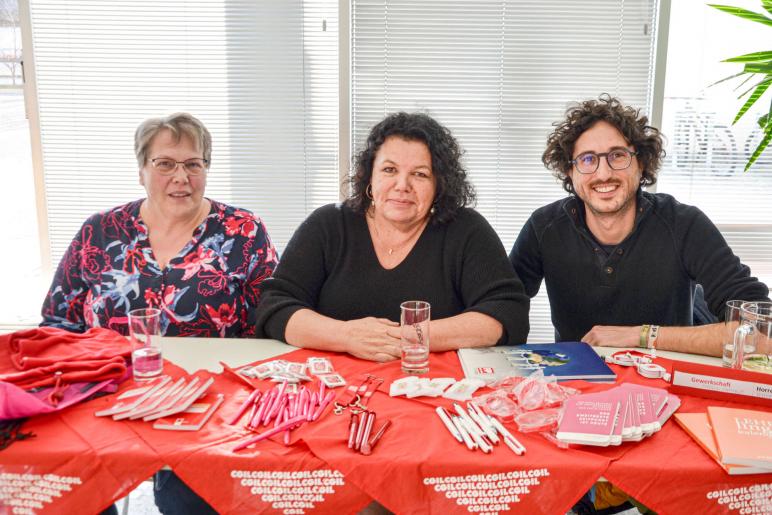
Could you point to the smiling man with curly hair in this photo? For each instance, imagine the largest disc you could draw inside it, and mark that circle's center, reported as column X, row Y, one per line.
column 620, row 262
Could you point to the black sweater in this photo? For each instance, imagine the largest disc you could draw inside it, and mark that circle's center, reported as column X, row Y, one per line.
column 330, row 266
column 649, row 278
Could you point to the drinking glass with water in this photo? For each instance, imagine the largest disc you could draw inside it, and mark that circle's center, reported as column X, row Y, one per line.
column 144, row 333
column 414, row 328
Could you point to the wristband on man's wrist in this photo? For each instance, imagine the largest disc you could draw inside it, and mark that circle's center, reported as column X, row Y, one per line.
column 643, row 340
column 651, row 340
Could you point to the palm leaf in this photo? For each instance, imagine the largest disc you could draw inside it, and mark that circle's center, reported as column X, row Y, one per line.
column 758, row 68
column 766, row 120
column 762, row 145
column 751, row 58
column 726, row 79
column 743, row 13
column 760, row 89
column 765, row 80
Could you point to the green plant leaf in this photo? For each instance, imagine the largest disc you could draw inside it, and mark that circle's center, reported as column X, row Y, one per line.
column 760, row 89
column 767, row 4
column 729, row 78
column 766, row 120
column 751, row 58
column 743, row 13
column 758, row 68
column 762, row 145
column 765, row 80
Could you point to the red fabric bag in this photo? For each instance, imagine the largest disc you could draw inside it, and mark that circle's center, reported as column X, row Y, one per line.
column 48, row 356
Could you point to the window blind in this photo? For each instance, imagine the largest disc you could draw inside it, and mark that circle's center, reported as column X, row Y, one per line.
column 262, row 76
column 498, row 74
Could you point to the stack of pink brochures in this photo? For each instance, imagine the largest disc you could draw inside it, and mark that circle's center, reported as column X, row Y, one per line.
column 628, row 412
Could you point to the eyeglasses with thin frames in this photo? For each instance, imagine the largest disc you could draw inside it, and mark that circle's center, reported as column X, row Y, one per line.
column 167, row 166
column 617, row 159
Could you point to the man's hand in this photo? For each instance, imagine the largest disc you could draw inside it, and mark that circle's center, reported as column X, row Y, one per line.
column 613, row 336
column 369, row 338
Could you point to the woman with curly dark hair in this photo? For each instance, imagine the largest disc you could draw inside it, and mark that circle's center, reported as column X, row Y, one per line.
column 404, row 233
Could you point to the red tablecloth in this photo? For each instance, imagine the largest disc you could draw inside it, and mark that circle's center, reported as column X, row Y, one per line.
column 80, row 463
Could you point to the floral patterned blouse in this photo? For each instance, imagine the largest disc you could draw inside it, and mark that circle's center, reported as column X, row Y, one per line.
column 209, row 289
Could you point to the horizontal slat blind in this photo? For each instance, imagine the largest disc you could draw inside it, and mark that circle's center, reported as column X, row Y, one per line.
column 262, row 76
column 498, row 73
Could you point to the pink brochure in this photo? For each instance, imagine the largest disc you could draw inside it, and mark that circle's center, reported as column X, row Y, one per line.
column 622, row 414
column 642, row 403
column 673, row 403
column 633, row 431
column 589, row 419
column 658, row 395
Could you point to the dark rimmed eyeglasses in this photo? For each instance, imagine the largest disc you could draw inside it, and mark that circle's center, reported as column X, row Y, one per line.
column 617, row 159
column 166, row 166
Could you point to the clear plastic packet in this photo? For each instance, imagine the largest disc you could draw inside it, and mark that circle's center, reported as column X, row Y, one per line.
column 557, row 394
column 531, row 393
column 538, row 420
column 498, row 403
column 506, row 384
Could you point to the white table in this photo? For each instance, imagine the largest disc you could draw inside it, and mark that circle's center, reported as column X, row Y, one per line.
column 205, row 353
column 194, row 354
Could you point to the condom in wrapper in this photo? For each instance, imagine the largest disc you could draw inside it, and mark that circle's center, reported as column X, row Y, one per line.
column 539, row 420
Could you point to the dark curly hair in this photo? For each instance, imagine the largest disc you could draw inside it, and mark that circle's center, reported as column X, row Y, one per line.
column 646, row 140
column 453, row 190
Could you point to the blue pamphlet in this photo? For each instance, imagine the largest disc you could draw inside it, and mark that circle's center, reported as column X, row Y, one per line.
column 565, row 360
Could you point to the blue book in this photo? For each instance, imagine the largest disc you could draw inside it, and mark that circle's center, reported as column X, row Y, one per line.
column 565, row 360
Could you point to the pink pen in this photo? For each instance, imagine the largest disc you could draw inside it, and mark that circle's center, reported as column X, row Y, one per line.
column 279, row 417
column 352, row 430
column 312, row 406
column 296, row 408
column 266, row 434
column 254, row 420
column 361, row 430
column 278, row 408
column 262, row 405
column 321, row 389
column 364, row 443
column 287, row 432
column 306, row 405
column 303, row 402
column 251, row 401
column 276, row 403
column 322, row 405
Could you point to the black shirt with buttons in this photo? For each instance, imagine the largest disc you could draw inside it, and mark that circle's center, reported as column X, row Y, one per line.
column 648, row 278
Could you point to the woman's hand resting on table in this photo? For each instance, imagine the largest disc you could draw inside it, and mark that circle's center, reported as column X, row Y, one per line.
column 613, row 336
column 369, row 338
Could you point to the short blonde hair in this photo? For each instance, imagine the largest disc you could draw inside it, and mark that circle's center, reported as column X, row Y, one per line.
column 178, row 124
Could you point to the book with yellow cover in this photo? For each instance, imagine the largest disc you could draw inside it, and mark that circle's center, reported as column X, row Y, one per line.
column 743, row 437
column 697, row 425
